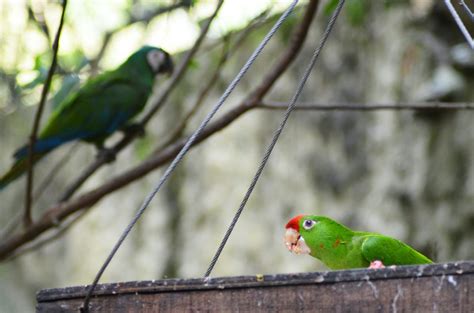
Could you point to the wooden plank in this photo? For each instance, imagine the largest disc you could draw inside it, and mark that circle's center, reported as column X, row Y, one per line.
column 428, row 288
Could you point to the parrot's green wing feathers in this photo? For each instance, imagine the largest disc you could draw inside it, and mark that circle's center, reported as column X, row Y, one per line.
column 103, row 105
column 390, row 251
column 99, row 109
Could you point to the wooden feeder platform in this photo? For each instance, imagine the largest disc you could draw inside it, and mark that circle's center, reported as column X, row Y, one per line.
column 425, row 288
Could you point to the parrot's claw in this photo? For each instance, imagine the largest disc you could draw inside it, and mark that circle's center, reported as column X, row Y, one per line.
column 376, row 264
column 108, row 155
column 136, row 129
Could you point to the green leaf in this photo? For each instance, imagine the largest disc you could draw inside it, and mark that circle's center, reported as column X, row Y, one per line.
column 330, row 7
column 193, row 64
column 356, row 10
column 143, row 147
column 39, row 79
column 73, row 61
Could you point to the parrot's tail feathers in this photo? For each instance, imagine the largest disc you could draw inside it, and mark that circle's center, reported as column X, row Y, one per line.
column 19, row 167
column 42, row 146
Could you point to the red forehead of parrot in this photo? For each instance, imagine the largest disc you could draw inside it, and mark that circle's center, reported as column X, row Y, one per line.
column 294, row 223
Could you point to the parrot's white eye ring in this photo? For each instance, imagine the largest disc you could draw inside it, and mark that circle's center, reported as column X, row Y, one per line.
column 155, row 59
column 308, row 224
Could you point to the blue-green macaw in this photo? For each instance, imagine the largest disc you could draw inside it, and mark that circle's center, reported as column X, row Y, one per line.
column 103, row 105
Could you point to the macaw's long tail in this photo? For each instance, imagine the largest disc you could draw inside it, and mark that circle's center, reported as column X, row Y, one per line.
column 19, row 167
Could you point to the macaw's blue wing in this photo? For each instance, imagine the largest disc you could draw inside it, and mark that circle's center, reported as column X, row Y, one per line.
column 103, row 105
column 18, row 168
column 92, row 114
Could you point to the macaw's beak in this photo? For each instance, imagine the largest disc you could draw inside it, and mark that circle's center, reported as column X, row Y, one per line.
column 295, row 243
column 167, row 67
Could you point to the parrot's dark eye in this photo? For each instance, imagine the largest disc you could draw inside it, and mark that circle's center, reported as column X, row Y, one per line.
column 308, row 224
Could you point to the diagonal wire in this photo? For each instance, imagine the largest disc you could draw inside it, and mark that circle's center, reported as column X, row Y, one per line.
column 186, row 148
column 276, row 135
column 459, row 21
column 467, row 9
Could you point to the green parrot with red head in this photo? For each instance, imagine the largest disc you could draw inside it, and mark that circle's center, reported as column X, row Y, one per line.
column 339, row 247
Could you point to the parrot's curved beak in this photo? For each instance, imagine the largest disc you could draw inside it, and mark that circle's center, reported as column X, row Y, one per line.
column 167, row 67
column 295, row 243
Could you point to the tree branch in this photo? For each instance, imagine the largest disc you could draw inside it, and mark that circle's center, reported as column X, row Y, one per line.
column 39, row 21
column 44, row 93
column 40, row 242
column 57, row 213
column 148, row 16
column 426, row 106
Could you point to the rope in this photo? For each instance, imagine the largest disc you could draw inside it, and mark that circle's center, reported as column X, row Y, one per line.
column 276, row 135
column 186, row 148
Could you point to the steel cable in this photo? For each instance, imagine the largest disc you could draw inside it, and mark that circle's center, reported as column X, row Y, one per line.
column 185, row 149
column 276, row 135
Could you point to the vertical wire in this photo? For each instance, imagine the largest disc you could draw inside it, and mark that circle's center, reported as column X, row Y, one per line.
column 276, row 135
column 186, row 148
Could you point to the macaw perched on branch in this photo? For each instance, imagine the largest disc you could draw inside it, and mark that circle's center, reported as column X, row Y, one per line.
column 103, row 105
column 339, row 247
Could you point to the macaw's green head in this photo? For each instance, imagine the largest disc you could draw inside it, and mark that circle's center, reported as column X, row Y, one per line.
column 157, row 60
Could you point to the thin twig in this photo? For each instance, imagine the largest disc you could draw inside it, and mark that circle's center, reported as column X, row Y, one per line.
column 256, row 22
column 94, row 63
column 60, row 211
column 11, row 225
column 40, row 22
column 29, row 183
column 156, row 105
column 182, row 68
column 148, row 16
column 55, row 170
column 133, row 18
column 44, row 241
column 428, row 106
column 179, row 130
column 288, row 56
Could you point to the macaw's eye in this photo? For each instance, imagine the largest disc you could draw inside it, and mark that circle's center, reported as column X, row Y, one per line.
column 308, row 224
